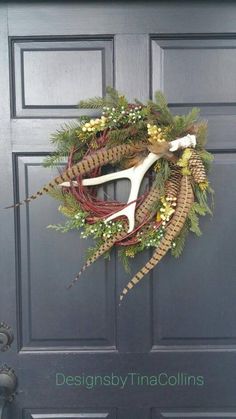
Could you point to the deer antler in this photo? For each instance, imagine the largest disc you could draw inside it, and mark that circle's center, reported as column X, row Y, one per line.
column 135, row 174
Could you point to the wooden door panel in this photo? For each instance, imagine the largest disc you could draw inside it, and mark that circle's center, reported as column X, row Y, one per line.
column 180, row 317
column 85, row 414
column 224, row 414
column 47, row 261
column 197, row 286
column 199, row 63
column 50, row 76
column 197, row 70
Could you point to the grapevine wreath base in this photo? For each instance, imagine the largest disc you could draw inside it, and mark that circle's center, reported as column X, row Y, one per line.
column 140, row 141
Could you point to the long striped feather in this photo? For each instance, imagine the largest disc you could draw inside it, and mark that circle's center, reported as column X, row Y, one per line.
column 144, row 210
column 184, row 204
column 85, row 166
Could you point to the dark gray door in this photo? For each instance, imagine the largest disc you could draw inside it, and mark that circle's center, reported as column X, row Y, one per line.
column 180, row 321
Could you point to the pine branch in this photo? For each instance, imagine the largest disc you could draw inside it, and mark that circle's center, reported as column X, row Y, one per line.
column 161, row 106
column 124, row 260
column 112, row 98
column 194, row 221
column 112, row 95
column 163, row 172
column 70, row 205
column 93, row 103
column 207, row 158
column 67, row 134
column 138, row 102
column 62, row 228
column 64, row 139
column 199, row 209
column 53, row 160
column 134, row 133
column 57, row 193
column 180, row 240
column 202, row 198
column 191, row 117
column 201, row 135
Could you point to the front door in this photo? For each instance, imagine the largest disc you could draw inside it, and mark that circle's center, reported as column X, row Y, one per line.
column 180, row 321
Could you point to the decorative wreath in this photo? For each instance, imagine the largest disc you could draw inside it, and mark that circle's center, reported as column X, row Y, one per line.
column 141, row 140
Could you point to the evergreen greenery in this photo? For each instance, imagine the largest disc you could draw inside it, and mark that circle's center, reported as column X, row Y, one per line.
column 111, row 99
column 125, row 123
column 179, row 242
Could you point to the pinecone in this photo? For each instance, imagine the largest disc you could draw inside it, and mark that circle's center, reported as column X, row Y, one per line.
column 173, row 184
column 197, row 168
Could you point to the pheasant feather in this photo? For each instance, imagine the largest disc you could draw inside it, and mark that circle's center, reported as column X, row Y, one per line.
column 144, row 211
column 85, row 166
column 184, row 204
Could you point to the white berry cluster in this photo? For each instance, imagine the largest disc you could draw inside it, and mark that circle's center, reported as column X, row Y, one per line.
column 153, row 239
column 112, row 227
column 122, row 115
column 134, row 115
column 80, row 219
column 103, row 229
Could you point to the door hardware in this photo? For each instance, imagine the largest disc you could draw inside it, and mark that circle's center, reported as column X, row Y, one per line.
column 8, row 383
column 6, row 337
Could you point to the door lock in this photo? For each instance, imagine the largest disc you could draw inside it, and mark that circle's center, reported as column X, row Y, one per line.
column 6, row 337
column 8, row 383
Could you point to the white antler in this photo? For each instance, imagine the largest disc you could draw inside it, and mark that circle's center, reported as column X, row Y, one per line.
column 135, row 174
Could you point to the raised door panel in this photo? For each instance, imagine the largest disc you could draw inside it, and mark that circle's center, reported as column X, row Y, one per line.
column 184, row 309
column 194, row 414
column 198, row 70
column 52, row 316
column 83, row 414
column 50, row 76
